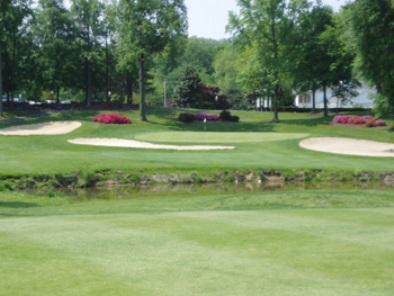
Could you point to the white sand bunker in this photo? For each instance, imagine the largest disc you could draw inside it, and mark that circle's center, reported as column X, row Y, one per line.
column 348, row 146
column 47, row 128
column 114, row 142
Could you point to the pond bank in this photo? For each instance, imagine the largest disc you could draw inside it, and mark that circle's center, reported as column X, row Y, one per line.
column 110, row 178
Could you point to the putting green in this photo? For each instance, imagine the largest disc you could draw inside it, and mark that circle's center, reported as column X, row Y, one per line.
column 216, row 137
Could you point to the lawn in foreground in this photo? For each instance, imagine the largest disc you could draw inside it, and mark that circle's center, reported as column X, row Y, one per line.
column 288, row 243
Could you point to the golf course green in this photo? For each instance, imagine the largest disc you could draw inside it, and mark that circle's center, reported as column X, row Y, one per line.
column 168, row 241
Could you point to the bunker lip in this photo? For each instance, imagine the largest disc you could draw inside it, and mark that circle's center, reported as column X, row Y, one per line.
column 47, row 128
column 125, row 143
column 348, row 146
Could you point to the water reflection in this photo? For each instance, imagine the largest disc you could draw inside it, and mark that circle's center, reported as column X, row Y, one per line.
column 169, row 190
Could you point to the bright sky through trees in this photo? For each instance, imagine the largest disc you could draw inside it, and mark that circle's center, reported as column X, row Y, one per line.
column 208, row 18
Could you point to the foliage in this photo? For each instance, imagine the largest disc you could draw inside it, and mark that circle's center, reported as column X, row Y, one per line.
column 192, row 92
column 186, row 117
column 88, row 19
column 366, row 120
column 189, row 87
column 372, row 25
column 268, row 26
column 112, row 119
column 226, row 116
column 57, row 53
column 149, row 27
column 205, row 116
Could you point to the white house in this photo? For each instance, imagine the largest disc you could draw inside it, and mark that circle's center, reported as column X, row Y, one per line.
column 362, row 100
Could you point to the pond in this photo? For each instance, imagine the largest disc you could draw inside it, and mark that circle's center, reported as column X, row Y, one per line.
column 171, row 190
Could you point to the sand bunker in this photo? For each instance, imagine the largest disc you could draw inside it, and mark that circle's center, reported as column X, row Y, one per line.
column 348, row 146
column 47, row 128
column 114, row 142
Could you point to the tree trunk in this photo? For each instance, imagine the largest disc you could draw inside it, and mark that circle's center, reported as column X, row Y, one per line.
column 129, row 89
column 1, row 84
column 313, row 98
column 58, row 95
column 88, row 71
column 325, row 100
column 107, row 66
column 142, row 89
column 276, row 102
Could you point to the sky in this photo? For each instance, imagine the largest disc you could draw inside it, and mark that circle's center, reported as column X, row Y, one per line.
column 208, row 18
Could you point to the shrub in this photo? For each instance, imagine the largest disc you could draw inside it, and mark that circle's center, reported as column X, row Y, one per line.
column 233, row 118
column 380, row 122
column 225, row 115
column 370, row 123
column 368, row 120
column 112, row 119
column 202, row 116
column 186, row 117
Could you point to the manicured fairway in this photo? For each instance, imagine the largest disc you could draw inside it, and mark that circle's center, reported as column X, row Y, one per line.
column 295, row 243
column 259, row 144
column 218, row 137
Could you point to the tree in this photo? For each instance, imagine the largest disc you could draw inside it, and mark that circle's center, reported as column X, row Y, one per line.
column 337, row 59
column 88, row 16
column 227, row 74
column 149, row 27
column 189, row 88
column 54, row 36
column 310, row 56
column 372, row 23
column 268, row 24
column 13, row 14
column 3, row 9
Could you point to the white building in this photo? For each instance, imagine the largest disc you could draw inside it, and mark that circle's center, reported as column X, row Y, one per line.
column 362, row 100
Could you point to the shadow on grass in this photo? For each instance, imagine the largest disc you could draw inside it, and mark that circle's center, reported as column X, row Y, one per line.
column 17, row 204
column 308, row 121
column 174, row 124
column 76, row 115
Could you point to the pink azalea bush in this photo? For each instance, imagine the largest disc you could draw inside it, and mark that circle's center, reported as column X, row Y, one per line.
column 208, row 117
column 366, row 120
column 112, row 119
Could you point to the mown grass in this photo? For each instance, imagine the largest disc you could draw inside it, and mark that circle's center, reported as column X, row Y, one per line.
column 183, row 243
column 193, row 242
column 52, row 154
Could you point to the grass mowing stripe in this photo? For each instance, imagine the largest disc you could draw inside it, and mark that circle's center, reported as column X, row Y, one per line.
column 217, row 137
column 33, row 268
column 213, row 256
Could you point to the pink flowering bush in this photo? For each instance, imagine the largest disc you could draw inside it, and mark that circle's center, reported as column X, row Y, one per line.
column 112, row 119
column 208, row 117
column 366, row 120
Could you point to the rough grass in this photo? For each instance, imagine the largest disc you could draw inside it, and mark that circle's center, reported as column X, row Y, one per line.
column 289, row 243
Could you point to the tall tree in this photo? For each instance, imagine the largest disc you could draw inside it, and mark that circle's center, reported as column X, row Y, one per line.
column 3, row 9
column 189, row 88
column 373, row 32
column 267, row 24
column 88, row 16
column 149, row 27
column 337, row 60
column 54, row 36
column 310, row 56
column 13, row 14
